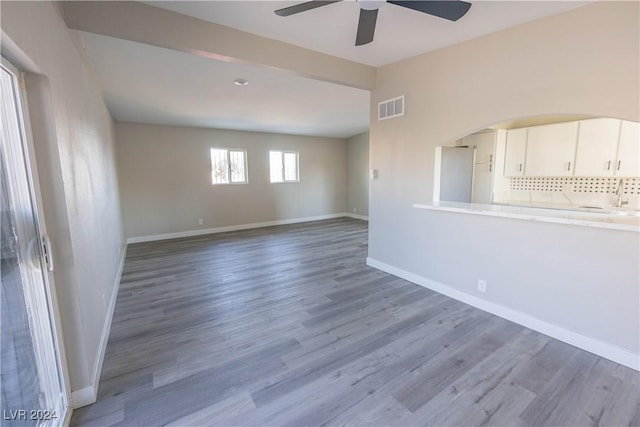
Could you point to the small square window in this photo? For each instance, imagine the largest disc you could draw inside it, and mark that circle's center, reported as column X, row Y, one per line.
column 228, row 166
column 283, row 166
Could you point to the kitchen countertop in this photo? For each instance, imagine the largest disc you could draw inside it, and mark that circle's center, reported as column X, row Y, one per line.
column 627, row 220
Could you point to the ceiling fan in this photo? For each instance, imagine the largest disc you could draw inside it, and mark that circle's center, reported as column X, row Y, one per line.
column 451, row 10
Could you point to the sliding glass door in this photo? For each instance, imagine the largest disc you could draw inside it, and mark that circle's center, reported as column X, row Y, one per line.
column 32, row 383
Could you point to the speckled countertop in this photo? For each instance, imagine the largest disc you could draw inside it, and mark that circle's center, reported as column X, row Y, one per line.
column 617, row 219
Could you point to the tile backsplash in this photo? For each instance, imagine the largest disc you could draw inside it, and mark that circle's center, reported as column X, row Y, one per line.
column 575, row 184
column 596, row 191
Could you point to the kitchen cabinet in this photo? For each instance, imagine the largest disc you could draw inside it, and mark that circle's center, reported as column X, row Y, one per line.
column 482, row 190
column 628, row 161
column 483, row 168
column 597, row 147
column 516, row 148
column 485, row 144
column 551, row 149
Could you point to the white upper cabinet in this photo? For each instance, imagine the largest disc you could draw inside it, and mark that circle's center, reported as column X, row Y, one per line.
column 597, row 147
column 551, row 149
column 483, row 169
column 516, row 148
column 482, row 191
column 628, row 161
column 485, row 143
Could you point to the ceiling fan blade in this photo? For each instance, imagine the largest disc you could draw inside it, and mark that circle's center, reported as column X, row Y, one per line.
column 451, row 10
column 366, row 26
column 303, row 7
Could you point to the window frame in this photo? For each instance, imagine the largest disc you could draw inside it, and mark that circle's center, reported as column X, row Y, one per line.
column 228, row 157
column 282, row 171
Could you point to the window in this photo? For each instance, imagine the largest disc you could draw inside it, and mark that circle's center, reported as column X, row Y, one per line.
column 228, row 166
column 283, row 166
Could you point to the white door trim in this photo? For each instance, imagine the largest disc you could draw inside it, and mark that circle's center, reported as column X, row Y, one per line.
column 48, row 323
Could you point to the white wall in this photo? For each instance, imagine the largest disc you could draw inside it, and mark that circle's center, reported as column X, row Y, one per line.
column 73, row 137
column 165, row 179
column 585, row 61
column 358, row 174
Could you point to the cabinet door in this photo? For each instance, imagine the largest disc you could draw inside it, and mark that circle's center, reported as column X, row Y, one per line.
column 515, row 152
column 628, row 163
column 485, row 144
column 482, row 183
column 597, row 146
column 551, row 149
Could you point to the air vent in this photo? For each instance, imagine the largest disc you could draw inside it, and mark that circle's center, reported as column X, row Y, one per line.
column 391, row 108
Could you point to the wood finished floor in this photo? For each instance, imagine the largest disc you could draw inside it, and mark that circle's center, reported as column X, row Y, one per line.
column 288, row 326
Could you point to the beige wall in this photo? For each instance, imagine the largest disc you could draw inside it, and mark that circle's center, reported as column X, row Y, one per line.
column 585, row 61
column 585, row 280
column 358, row 174
column 73, row 138
column 165, row 179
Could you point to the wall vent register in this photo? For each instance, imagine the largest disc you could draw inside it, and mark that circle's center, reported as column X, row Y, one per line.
column 603, row 185
column 391, row 108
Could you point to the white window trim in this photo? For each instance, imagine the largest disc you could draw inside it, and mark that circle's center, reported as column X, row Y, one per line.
column 282, row 174
column 246, row 166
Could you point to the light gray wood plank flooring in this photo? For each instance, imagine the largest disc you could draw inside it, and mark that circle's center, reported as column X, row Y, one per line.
column 287, row 326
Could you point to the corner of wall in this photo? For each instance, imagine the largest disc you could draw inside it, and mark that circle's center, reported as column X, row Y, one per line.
column 592, row 345
column 88, row 395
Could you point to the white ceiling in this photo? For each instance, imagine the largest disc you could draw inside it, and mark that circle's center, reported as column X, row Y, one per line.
column 148, row 84
column 400, row 33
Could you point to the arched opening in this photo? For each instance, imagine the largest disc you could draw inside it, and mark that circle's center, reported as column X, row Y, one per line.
column 566, row 162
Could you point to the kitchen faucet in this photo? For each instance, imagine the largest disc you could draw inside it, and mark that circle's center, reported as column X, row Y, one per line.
column 620, row 202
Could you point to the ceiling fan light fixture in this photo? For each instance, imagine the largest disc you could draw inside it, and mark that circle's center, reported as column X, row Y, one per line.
column 370, row 4
column 451, row 10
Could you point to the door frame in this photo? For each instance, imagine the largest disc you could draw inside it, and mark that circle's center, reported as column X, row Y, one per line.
column 54, row 318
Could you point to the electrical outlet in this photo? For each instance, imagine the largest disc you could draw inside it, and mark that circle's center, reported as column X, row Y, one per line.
column 482, row 285
column 200, row 221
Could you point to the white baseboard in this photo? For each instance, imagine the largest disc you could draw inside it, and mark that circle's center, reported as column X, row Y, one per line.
column 356, row 216
column 192, row 233
column 88, row 395
column 83, row 397
column 595, row 346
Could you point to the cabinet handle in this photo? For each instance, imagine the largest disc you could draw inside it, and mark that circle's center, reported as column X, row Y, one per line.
column 569, row 166
column 490, row 165
column 520, row 168
column 609, row 165
column 490, row 158
column 619, row 162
